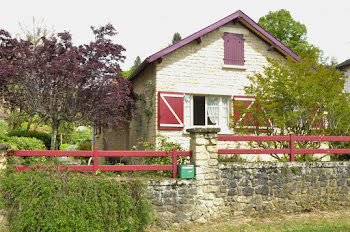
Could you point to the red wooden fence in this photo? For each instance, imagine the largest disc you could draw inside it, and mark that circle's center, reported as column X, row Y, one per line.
column 291, row 150
column 96, row 154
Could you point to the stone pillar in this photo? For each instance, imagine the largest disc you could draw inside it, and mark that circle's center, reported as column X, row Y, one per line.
column 203, row 144
column 3, row 155
column 204, row 149
column 3, row 163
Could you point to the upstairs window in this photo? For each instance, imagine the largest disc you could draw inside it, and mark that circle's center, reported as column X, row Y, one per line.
column 233, row 49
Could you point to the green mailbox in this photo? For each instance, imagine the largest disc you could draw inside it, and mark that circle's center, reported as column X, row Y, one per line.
column 185, row 171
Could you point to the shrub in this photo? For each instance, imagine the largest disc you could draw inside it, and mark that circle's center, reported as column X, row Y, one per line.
column 23, row 143
column 82, row 135
column 54, row 201
column 85, row 146
column 64, row 146
column 45, row 137
column 3, row 128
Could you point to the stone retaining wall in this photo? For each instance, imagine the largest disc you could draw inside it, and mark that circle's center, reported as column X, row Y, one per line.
column 250, row 188
column 246, row 188
column 284, row 187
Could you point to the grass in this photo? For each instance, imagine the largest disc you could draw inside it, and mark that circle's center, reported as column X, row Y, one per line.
column 320, row 221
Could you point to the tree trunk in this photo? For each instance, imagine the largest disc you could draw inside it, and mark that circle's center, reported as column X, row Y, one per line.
column 55, row 125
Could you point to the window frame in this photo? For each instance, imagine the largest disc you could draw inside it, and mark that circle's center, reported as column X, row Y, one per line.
column 188, row 119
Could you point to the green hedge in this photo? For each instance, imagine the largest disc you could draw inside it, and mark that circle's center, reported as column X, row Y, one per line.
column 45, row 137
column 65, row 201
column 23, row 143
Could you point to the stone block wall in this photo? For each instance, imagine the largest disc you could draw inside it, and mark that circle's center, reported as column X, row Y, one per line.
column 284, row 187
column 246, row 188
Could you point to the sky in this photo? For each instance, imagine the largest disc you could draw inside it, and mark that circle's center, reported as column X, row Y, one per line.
column 145, row 27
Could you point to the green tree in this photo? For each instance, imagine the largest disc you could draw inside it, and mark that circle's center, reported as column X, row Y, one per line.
column 137, row 63
column 292, row 33
column 301, row 99
column 293, row 97
column 176, row 38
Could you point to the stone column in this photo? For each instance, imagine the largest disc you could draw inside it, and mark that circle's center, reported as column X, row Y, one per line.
column 203, row 144
column 3, row 163
column 204, row 149
column 3, row 155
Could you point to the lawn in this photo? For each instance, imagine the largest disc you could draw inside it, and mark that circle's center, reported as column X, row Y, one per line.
column 320, row 221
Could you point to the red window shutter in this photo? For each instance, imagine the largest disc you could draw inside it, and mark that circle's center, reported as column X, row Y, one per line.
column 170, row 111
column 244, row 119
column 233, row 49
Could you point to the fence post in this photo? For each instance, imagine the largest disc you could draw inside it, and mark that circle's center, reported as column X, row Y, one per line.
column 292, row 154
column 174, row 163
column 95, row 155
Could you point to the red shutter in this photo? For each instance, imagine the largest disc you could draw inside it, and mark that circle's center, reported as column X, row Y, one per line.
column 244, row 119
column 170, row 111
column 233, row 49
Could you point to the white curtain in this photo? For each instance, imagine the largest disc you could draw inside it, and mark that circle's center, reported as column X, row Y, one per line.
column 187, row 112
column 213, row 110
column 224, row 112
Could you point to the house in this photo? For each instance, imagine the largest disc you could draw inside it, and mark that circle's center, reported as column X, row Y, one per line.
column 194, row 82
column 345, row 67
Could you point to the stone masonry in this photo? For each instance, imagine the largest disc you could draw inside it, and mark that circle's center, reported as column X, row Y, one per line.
column 3, row 163
column 194, row 69
column 246, row 188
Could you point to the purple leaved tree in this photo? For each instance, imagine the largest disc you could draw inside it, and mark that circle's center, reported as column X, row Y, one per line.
column 62, row 82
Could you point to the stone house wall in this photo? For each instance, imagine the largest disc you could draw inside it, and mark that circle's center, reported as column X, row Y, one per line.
column 195, row 68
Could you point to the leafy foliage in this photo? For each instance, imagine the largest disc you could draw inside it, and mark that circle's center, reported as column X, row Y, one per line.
column 299, row 99
column 64, row 146
column 290, row 32
column 137, row 63
column 3, row 128
column 163, row 145
column 24, row 143
column 82, row 135
column 176, row 38
column 64, row 201
column 65, row 82
column 45, row 137
column 87, row 146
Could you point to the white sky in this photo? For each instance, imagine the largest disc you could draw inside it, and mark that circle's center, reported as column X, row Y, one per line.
column 147, row 26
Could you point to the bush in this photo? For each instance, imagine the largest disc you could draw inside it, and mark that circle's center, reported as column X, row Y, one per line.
column 82, row 135
column 64, row 146
column 23, row 143
column 3, row 128
column 45, row 137
column 65, row 201
column 85, row 146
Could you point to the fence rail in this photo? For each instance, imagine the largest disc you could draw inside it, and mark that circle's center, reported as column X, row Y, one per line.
column 96, row 154
column 291, row 150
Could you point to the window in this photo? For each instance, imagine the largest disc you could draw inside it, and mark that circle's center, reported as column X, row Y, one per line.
column 210, row 111
column 233, row 49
